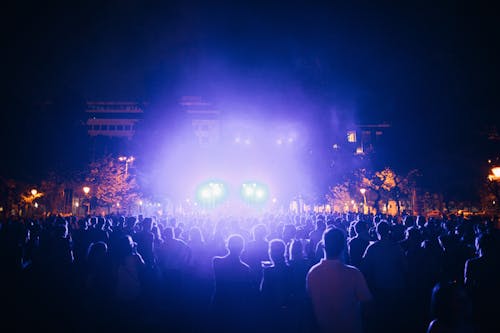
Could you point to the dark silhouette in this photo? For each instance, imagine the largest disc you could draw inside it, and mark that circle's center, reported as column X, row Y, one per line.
column 235, row 290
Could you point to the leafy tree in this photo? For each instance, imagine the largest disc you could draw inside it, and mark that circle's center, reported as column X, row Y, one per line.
column 339, row 195
column 111, row 183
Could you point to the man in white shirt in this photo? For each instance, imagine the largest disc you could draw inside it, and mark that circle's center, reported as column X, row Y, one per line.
column 337, row 290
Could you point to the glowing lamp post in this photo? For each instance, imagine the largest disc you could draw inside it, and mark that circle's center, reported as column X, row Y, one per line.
column 86, row 190
column 127, row 160
column 494, row 177
column 365, row 207
column 495, row 174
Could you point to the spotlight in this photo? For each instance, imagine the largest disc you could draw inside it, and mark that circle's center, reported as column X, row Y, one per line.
column 254, row 193
column 211, row 193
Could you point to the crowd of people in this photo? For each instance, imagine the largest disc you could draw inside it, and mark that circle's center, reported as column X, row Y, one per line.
column 274, row 273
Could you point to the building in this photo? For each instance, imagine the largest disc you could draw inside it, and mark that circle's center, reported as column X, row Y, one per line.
column 364, row 139
column 204, row 119
column 111, row 126
column 113, row 119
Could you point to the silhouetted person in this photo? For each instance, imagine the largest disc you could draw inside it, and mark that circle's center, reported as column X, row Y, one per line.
column 276, row 288
column 315, row 238
column 337, row 290
column 256, row 251
column 358, row 244
column 299, row 266
column 98, row 286
column 128, row 284
column 481, row 281
column 235, row 290
column 450, row 311
column 385, row 268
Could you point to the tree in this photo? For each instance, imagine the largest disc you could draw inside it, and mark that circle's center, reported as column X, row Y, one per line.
column 339, row 196
column 111, row 184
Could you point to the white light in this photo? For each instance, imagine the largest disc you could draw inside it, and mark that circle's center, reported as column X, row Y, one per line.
column 36, row 204
column 237, row 140
column 216, row 190
column 205, row 193
column 279, row 142
column 247, row 141
column 275, row 200
column 290, row 140
column 249, row 191
column 496, row 171
column 259, row 194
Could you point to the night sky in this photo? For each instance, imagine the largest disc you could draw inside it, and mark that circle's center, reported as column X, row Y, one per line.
column 429, row 68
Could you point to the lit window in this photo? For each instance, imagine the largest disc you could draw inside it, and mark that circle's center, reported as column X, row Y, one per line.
column 359, row 151
column 351, row 136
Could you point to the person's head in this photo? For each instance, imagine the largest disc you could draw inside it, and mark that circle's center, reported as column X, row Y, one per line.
column 96, row 250
column 82, row 224
column 334, row 242
column 125, row 246
column 235, row 244
column 168, row 233
column 485, row 244
column 420, row 221
column 408, row 221
column 296, row 250
column 448, row 302
column 361, row 228
column 147, row 224
column 413, row 234
column 195, row 235
column 320, row 225
column 259, row 232
column 277, row 249
column 383, row 230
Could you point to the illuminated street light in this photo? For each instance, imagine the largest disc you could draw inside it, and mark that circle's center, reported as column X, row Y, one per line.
column 495, row 174
column 86, row 190
column 34, row 192
column 127, row 160
column 36, row 204
column 365, row 207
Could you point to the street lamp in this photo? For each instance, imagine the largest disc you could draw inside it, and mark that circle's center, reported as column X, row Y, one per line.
column 495, row 174
column 494, row 177
column 365, row 207
column 86, row 190
column 34, row 192
column 127, row 160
